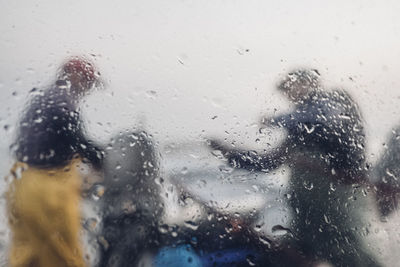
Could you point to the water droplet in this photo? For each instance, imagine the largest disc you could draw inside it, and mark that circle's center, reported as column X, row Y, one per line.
column 184, row 170
column 255, row 188
column 226, row 169
column 308, row 185
column 91, row 224
column 218, row 154
column 151, row 94
column 18, row 171
column 327, row 219
column 128, row 207
column 129, row 187
column 265, row 241
column 38, row 120
column 251, row 260
column 163, row 229
column 258, row 227
column 309, row 130
column 191, row 225
column 97, row 192
column 332, row 186
column 390, row 174
column 181, row 61
column 30, row 70
column 279, row 230
column 159, row 180
column 241, row 51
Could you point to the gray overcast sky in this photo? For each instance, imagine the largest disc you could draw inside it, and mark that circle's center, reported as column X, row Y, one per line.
column 174, row 65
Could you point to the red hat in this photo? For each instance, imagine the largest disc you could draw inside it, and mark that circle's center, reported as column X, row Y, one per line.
column 80, row 67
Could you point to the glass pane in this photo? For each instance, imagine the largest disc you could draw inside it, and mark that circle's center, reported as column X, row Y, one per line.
column 182, row 133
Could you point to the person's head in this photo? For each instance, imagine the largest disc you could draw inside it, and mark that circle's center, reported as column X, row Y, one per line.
column 80, row 73
column 299, row 83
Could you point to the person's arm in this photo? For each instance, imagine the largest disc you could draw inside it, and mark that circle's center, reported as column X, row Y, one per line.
column 253, row 161
column 84, row 147
column 283, row 120
column 88, row 150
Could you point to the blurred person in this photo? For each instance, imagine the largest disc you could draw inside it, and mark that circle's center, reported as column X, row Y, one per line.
column 132, row 205
column 44, row 196
column 386, row 176
column 324, row 149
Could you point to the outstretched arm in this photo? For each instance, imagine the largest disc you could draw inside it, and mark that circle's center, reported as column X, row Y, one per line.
column 253, row 161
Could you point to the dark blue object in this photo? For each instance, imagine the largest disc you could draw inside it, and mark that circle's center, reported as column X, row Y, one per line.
column 179, row 256
column 184, row 255
column 229, row 257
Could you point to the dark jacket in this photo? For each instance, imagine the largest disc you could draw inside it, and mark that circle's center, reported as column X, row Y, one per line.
column 326, row 125
column 324, row 149
column 387, row 173
column 50, row 132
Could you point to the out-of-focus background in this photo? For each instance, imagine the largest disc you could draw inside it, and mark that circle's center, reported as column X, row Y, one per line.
column 189, row 70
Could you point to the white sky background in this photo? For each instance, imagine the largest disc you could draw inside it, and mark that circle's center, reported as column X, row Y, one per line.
column 174, row 65
column 192, row 55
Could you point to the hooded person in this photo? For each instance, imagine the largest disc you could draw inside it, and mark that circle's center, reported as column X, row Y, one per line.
column 324, row 148
column 44, row 195
column 386, row 176
column 132, row 205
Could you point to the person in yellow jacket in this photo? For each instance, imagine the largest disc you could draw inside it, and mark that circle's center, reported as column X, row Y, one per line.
column 44, row 196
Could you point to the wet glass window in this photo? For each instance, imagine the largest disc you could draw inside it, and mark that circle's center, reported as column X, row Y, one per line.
column 184, row 133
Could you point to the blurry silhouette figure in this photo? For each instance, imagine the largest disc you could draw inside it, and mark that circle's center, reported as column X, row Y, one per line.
column 44, row 196
column 387, row 173
column 324, row 149
column 132, row 203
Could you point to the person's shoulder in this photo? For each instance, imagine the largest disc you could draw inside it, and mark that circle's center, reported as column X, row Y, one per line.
column 56, row 96
column 340, row 94
column 339, row 99
column 47, row 104
column 43, row 96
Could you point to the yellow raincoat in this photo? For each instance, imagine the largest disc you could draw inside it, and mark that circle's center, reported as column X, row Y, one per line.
column 44, row 216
